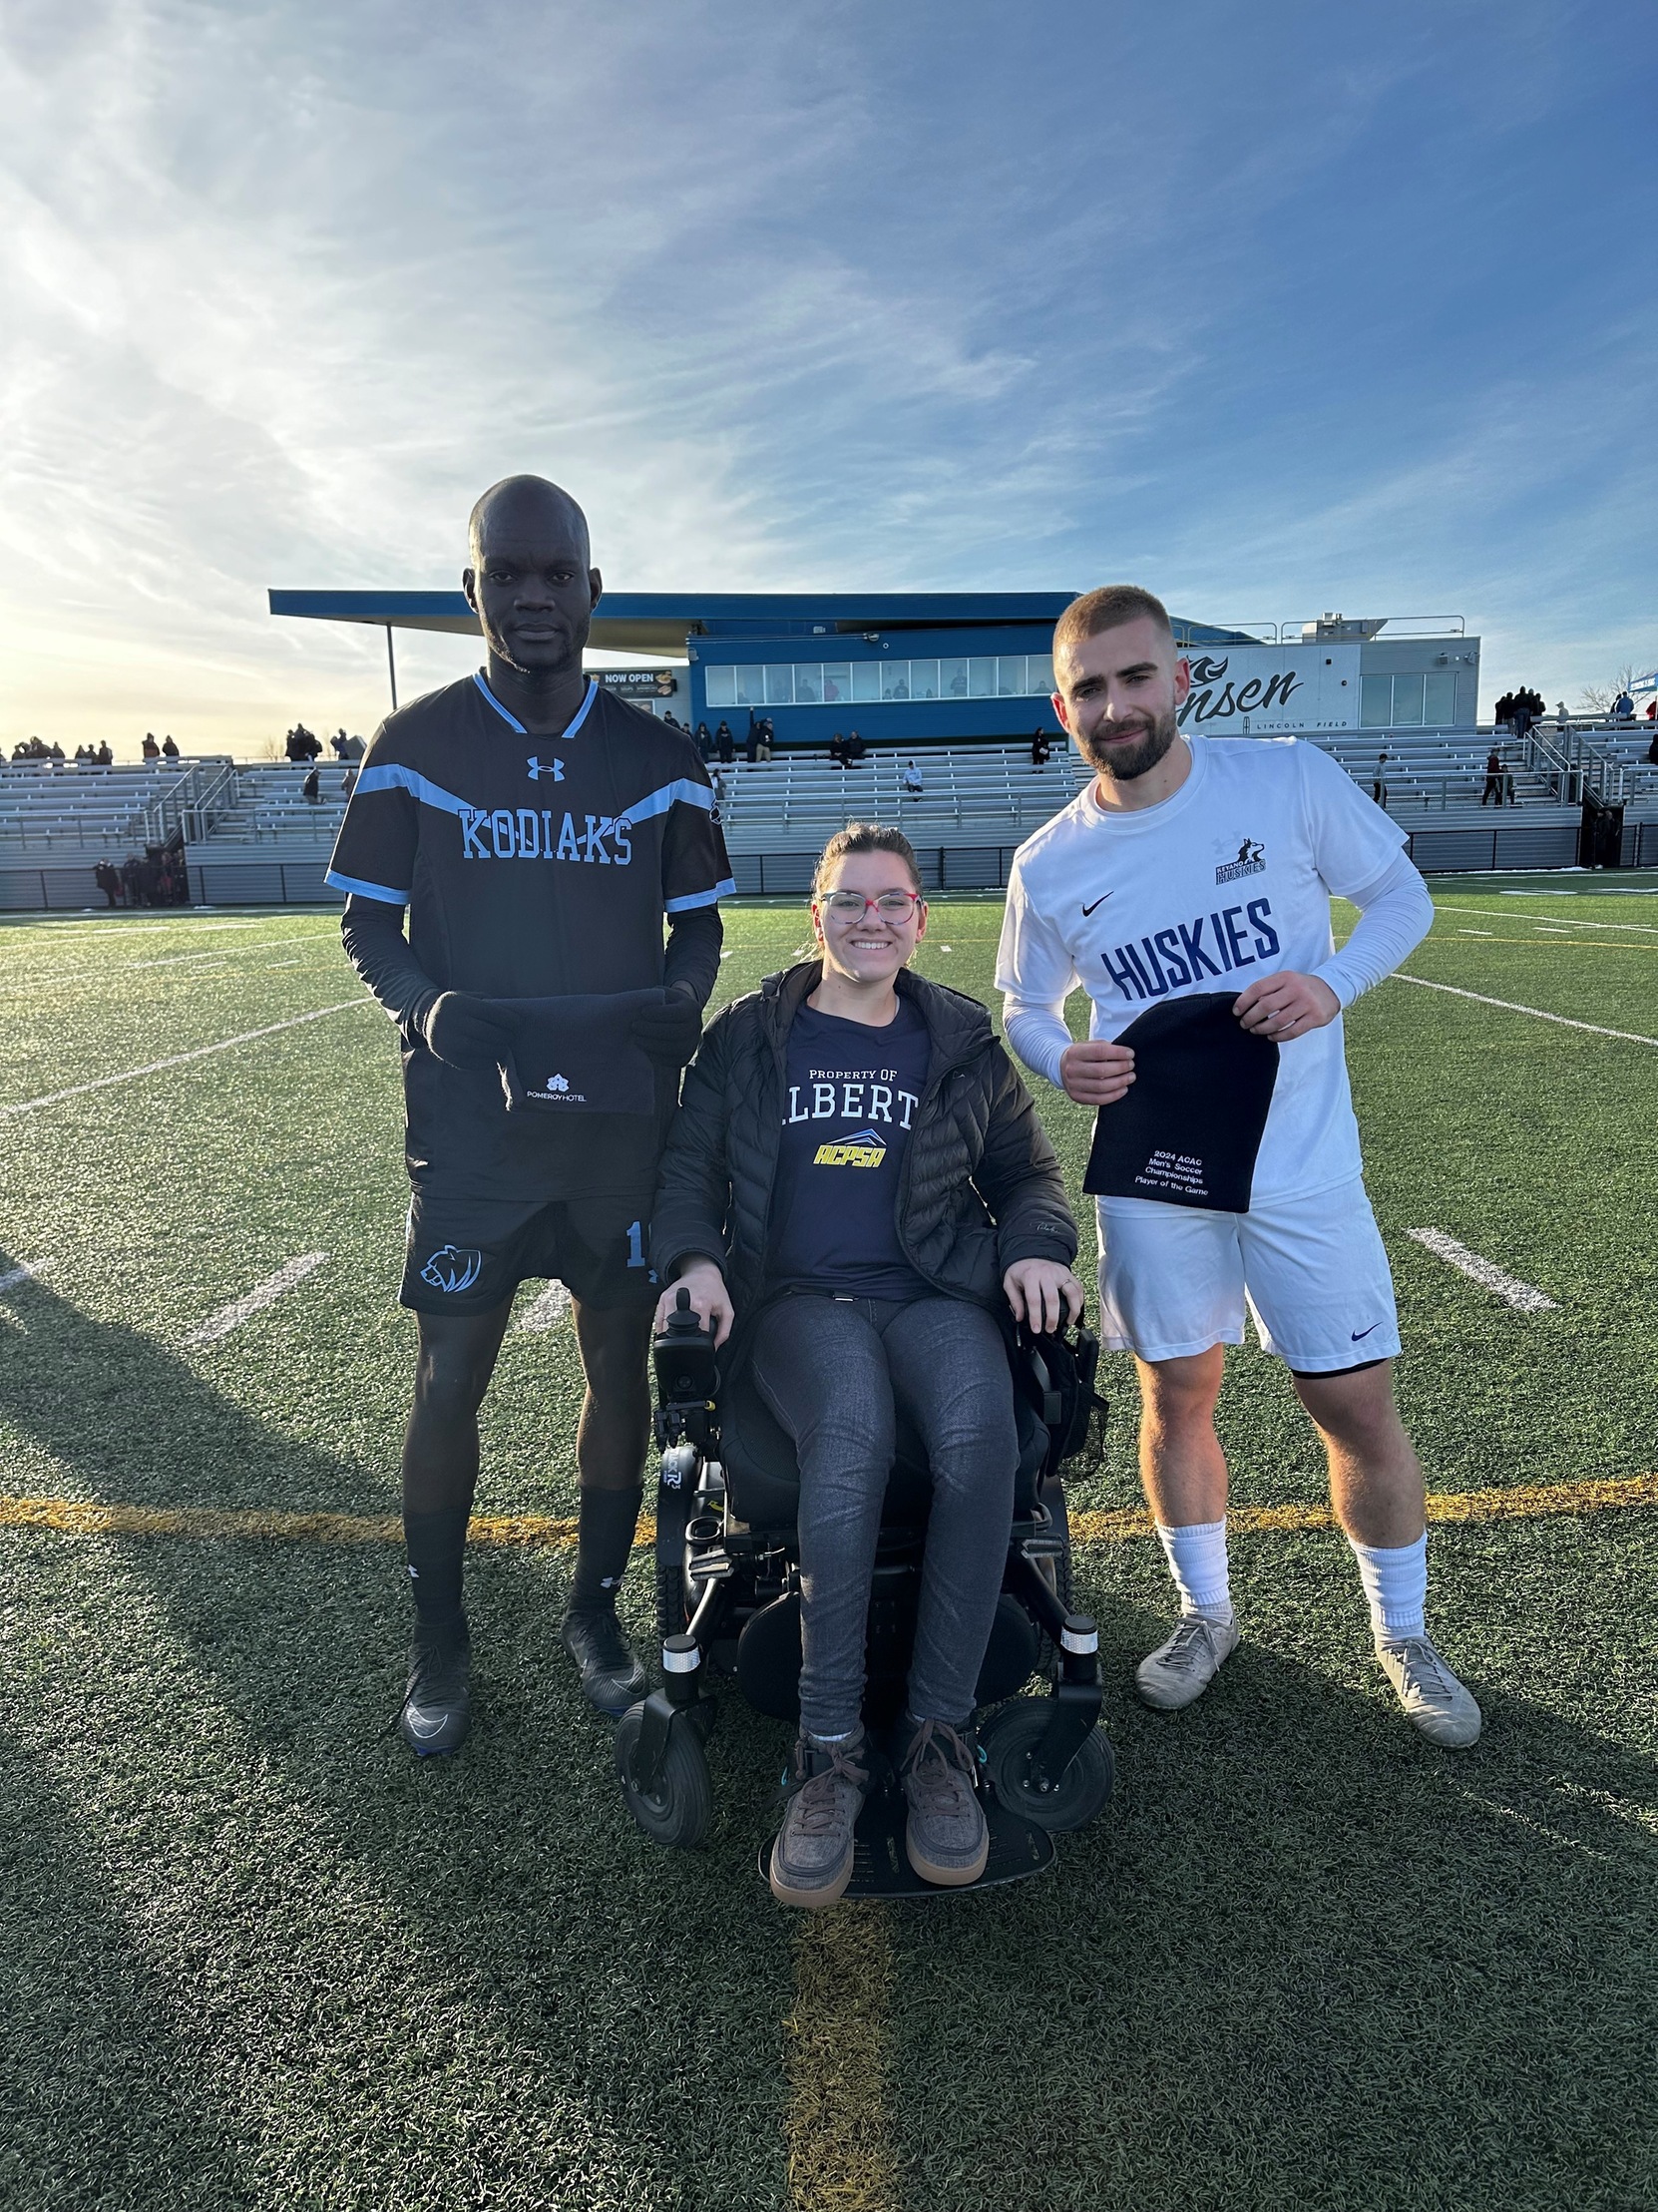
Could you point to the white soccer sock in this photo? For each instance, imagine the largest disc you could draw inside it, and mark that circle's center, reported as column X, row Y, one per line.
column 1196, row 1558
column 1395, row 1587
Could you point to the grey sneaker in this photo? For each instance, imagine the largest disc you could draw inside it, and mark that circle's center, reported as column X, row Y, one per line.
column 811, row 1855
column 1179, row 1671
column 1433, row 1700
column 945, row 1837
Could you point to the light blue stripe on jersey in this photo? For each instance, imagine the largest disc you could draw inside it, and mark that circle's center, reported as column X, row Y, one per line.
column 725, row 890
column 396, row 778
column 513, row 721
column 658, row 802
column 362, row 890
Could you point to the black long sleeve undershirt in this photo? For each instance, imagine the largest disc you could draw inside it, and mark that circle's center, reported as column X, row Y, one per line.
column 372, row 933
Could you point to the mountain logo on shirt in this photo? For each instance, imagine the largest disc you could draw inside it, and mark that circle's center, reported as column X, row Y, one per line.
column 555, row 1090
column 866, row 1149
column 558, row 1083
column 1250, row 862
column 539, row 768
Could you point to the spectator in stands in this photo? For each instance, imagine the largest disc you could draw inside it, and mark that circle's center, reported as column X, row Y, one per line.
column 913, row 779
column 170, row 750
column 1652, row 749
column 1041, row 750
column 751, row 744
column 1623, row 707
column 340, row 745
column 55, row 752
column 302, row 743
column 855, row 749
column 705, row 743
column 762, row 748
column 132, row 880
column 1528, row 709
column 108, row 882
column 106, row 758
column 1562, row 721
column 1493, row 779
column 1379, row 783
column 726, row 744
column 349, row 781
column 149, row 749
column 837, row 750
column 312, row 788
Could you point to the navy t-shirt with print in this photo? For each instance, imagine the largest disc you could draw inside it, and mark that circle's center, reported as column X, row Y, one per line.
column 848, row 1109
column 531, row 867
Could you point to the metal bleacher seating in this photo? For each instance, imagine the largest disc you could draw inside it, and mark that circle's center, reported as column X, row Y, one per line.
column 47, row 807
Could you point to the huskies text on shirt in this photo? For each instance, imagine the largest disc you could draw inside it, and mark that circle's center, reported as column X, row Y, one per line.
column 1228, row 880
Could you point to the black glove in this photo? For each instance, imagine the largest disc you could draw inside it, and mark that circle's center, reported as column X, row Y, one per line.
column 462, row 1029
column 671, row 1032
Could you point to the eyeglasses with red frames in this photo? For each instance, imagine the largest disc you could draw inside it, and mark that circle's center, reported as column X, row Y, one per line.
column 852, row 906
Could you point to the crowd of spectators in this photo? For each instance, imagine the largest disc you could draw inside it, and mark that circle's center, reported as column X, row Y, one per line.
column 157, row 878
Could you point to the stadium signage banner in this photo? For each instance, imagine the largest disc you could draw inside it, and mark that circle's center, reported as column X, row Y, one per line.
column 1253, row 690
column 653, row 683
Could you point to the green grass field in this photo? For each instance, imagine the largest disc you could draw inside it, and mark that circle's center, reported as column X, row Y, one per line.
column 253, row 1955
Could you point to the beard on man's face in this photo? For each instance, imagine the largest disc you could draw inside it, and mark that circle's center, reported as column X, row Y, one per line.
column 1124, row 758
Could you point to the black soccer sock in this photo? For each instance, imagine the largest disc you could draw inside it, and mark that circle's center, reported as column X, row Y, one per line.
column 435, row 1544
column 605, row 1536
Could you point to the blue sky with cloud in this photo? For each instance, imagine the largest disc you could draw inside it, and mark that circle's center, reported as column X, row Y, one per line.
column 1274, row 308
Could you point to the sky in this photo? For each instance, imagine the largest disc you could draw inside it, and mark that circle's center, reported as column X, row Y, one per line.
column 1276, row 308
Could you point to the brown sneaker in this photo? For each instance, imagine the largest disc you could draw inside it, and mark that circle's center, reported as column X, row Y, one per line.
column 811, row 1855
column 945, row 1837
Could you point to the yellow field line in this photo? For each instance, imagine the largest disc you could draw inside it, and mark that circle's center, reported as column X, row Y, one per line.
column 76, row 1518
column 836, row 2137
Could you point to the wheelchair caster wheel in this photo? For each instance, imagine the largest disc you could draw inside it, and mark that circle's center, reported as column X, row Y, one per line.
column 1007, row 1739
column 676, row 1812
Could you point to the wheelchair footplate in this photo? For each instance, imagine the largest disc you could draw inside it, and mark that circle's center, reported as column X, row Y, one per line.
column 881, row 1866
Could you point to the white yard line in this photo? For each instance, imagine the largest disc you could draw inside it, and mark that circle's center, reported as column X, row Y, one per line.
column 24, row 1274
column 178, row 1060
column 1523, row 1297
column 547, row 1312
column 1555, row 920
column 262, row 1295
column 1510, row 1005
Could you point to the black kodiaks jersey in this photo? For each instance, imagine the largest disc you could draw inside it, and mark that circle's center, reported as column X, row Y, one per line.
column 530, row 867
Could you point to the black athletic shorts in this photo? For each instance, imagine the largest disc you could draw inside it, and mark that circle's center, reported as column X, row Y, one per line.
column 466, row 1255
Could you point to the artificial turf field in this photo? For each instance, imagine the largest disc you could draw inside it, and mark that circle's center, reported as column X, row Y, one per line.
column 253, row 1954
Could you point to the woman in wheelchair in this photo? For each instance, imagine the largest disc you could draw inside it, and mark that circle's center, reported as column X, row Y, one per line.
column 857, row 1193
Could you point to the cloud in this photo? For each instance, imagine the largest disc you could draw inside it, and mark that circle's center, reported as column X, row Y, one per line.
column 929, row 298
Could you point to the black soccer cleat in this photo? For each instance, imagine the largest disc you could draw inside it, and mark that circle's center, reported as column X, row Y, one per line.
column 612, row 1677
column 437, row 1705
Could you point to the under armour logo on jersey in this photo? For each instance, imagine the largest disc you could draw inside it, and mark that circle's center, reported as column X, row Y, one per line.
column 539, row 768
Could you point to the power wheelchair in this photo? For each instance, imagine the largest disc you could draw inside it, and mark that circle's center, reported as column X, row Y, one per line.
column 728, row 1583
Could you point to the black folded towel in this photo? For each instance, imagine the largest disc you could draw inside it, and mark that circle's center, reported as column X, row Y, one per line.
column 577, row 1055
column 1192, row 1124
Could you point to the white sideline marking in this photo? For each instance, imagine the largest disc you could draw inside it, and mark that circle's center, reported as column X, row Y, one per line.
column 26, row 1273
column 547, row 1312
column 262, row 1295
column 1509, row 1005
column 1524, row 1297
column 1560, row 921
column 178, row 1060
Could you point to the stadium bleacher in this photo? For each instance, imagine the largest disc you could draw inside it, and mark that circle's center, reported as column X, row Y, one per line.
column 254, row 837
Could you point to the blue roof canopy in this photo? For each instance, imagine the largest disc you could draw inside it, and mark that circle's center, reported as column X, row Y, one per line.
column 665, row 622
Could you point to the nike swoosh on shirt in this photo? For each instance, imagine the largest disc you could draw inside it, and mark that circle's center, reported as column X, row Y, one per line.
column 1359, row 1335
column 1101, row 901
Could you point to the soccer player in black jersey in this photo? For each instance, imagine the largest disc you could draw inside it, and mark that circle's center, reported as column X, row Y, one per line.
column 540, row 832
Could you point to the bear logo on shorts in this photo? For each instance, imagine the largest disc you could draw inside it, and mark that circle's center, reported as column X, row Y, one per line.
column 452, row 1269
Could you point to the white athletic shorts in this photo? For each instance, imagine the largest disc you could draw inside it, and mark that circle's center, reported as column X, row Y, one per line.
column 1174, row 1280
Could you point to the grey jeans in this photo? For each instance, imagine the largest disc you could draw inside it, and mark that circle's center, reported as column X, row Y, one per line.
column 835, row 1372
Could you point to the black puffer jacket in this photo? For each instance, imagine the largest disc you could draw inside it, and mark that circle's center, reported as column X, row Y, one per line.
column 979, row 1186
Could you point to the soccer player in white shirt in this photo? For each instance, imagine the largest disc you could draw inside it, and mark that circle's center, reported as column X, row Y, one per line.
column 1208, row 866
